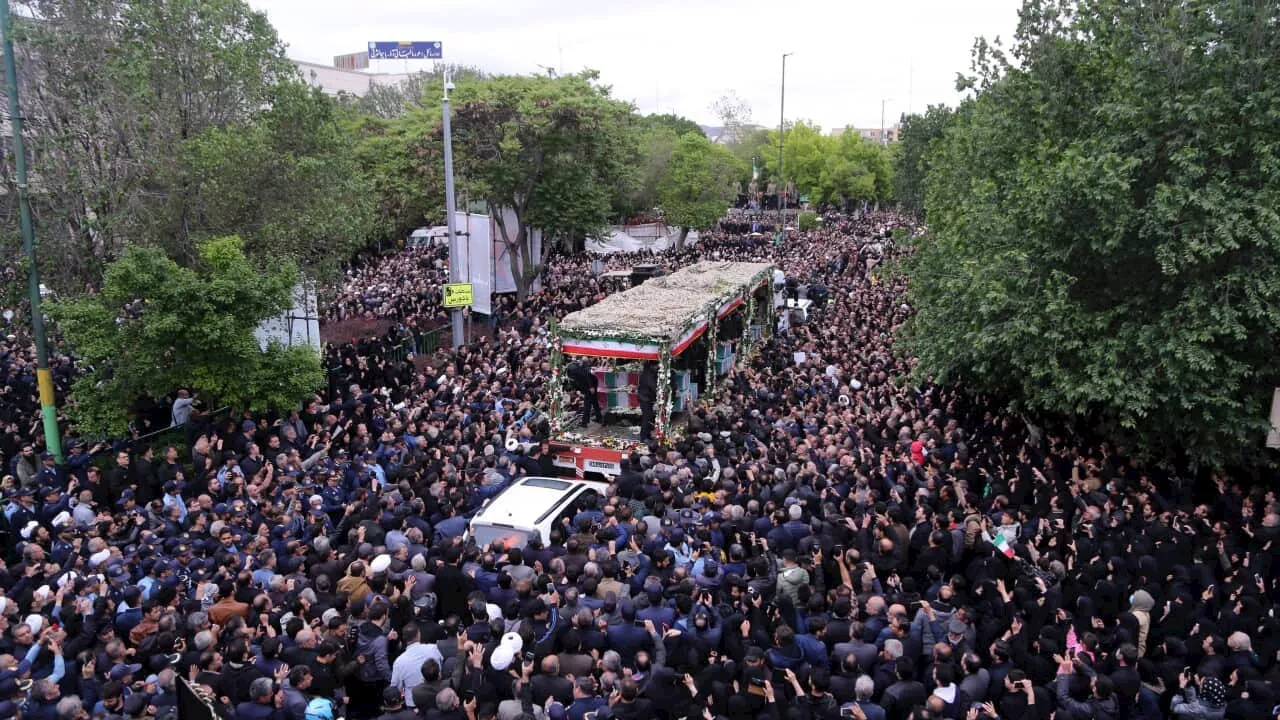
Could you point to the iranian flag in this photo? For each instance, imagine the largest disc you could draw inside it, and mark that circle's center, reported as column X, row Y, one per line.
column 1003, row 545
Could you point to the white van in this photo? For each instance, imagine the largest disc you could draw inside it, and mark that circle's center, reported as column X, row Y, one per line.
column 531, row 505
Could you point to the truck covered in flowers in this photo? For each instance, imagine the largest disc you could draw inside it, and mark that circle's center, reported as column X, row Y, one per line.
column 692, row 325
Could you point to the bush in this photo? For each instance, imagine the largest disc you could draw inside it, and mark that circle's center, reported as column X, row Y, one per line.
column 808, row 221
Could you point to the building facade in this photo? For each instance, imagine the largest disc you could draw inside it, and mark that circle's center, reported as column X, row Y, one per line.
column 340, row 81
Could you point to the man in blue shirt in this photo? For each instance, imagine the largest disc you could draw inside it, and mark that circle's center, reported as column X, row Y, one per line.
column 585, row 699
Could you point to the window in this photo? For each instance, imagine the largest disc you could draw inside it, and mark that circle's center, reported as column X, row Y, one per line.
column 546, row 483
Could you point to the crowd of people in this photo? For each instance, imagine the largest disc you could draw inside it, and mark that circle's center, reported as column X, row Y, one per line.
column 399, row 286
column 831, row 540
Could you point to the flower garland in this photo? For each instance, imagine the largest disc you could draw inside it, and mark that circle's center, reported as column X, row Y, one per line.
column 555, row 391
column 748, row 338
column 612, row 443
column 766, row 325
column 713, row 334
column 662, row 411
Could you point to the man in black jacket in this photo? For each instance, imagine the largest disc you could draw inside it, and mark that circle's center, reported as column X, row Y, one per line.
column 452, row 585
column 647, row 394
column 549, row 683
column 628, row 705
column 584, row 381
column 904, row 694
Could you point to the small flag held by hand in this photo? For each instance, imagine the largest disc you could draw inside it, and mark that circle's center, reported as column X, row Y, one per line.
column 1003, row 545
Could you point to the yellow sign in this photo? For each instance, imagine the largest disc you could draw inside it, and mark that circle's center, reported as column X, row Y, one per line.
column 458, row 295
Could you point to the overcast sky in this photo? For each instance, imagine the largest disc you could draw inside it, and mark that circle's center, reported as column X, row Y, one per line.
column 680, row 55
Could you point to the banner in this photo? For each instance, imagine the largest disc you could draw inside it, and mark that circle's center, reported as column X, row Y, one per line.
column 477, row 260
column 405, row 50
column 299, row 325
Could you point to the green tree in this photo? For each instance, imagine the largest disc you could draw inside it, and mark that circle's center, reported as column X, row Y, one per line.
column 757, row 145
column 287, row 180
column 657, row 137
column 554, row 150
column 854, row 169
column 912, row 163
column 1103, row 234
column 656, row 145
column 699, row 184
column 804, row 155
column 112, row 90
column 404, row 160
column 394, row 100
column 157, row 326
column 677, row 124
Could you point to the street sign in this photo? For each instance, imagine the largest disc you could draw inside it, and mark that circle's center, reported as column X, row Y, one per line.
column 405, row 50
column 458, row 295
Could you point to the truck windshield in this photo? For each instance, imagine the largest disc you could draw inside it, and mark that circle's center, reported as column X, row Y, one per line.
column 510, row 537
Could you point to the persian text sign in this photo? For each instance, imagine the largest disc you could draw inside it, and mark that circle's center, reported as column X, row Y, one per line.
column 458, row 295
column 405, row 50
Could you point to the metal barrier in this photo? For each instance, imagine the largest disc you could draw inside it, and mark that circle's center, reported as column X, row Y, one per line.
column 430, row 341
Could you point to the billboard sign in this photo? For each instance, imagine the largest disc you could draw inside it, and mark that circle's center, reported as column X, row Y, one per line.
column 477, row 264
column 405, row 50
column 352, row 61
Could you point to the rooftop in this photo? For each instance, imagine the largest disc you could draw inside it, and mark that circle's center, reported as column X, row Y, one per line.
column 662, row 307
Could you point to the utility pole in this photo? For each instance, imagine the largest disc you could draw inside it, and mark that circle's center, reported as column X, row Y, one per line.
column 44, row 379
column 455, row 253
column 884, row 141
column 782, row 129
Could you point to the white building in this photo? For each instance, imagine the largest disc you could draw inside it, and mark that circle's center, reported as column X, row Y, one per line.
column 338, row 81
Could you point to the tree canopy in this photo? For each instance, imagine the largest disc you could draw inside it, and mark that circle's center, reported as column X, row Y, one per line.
column 830, row 169
column 912, row 162
column 699, row 184
column 157, row 326
column 734, row 114
column 112, row 90
column 1103, row 232
column 677, row 124
column 286, row 180
column 553, row 149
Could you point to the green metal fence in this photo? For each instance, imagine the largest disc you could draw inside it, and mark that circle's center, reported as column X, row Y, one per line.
column 421, row 342
column 425, row 342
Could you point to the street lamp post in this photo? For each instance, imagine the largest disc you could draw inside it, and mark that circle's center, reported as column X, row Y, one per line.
column 44, row 379
column 782, row 129
column 455, row 253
